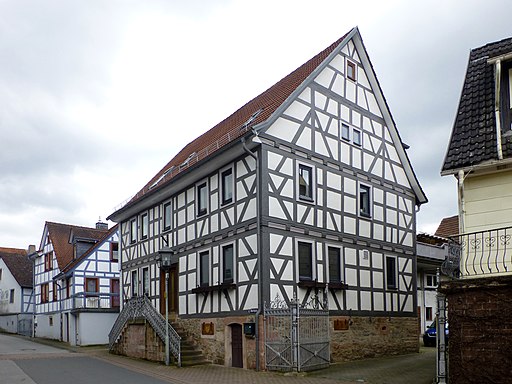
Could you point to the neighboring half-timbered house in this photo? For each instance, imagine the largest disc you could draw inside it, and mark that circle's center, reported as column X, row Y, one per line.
column 16, row 293
column 76, row 283
column 305, row 193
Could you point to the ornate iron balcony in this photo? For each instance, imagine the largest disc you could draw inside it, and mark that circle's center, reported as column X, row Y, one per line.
column 478, row 254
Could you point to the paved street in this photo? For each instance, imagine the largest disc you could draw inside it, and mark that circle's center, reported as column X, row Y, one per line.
column 23, row 361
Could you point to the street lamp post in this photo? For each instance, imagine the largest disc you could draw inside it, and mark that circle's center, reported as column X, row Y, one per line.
column 165, row 264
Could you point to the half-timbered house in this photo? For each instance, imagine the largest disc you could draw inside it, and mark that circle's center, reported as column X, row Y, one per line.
column 305, row 194
column 16, row 293
column 76, row 283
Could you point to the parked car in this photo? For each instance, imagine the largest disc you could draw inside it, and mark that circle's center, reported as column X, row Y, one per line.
column 430, row 335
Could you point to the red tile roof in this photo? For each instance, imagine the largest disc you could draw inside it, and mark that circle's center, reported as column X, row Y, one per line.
column 60, row 235
column 233, row 126
column 19, row 265
column 449, row 226
column 78, row 260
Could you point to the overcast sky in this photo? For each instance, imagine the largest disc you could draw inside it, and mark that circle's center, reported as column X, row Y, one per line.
column 96, row 96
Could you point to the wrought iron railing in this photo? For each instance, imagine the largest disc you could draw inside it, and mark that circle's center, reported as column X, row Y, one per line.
column 141, row 307
column 478, row 254
column 90, row 300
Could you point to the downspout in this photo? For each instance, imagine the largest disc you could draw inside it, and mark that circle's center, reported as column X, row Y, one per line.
column 497, row 91
column 461, row 201
column 258, row 242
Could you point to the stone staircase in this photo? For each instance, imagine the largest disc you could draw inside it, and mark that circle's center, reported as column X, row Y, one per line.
column 190, row 354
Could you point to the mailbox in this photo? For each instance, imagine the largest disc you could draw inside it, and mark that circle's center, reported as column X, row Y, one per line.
column 249, row 329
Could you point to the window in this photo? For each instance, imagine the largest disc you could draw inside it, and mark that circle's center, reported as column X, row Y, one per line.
column 351, row 70
column 227, row 186
column 428, row 313
column 227, row 263
column 45, row 292
column 357, row 138
column 114, row 290
column 305, row 182
column 91, row 286
column 144, row 224
column 135, row 283
column 0, row 273
column 305, row 260
column 133, row 231
column 68, row 287
column 50, row 321
column 54, row 292
column 11, row 296
column 204, row 269
column 167, row 216
column 145, row 282
column 365, row 200
column 48, row 261
column 345, row 132
column 430, row 281
column 202, row 199
column 391, row 274
column 333, row 254
column 114, row 251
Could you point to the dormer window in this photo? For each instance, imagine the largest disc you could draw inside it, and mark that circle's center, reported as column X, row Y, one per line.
column 506, row 92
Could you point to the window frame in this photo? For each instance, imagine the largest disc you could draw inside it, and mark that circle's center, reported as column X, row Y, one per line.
column 200, row 211
column 312, row 185
column 48, row 261
column 340, row 268
column 167, row 222
column 223, row 200
column 201, row 256
column 345, row 131
column 353, row 66
column 429, row 313
column 112, row 252
column 366, row 197
column 223, row 263
column 11, row 296
column 391, row 284
column 54, row 291
column 359, row 134
column 133, row 230
column 311, row 246
column 434, row 279
column 134, row 282
column 146, row 285
column 144, row 226
column 45, row 293
column 96, row 282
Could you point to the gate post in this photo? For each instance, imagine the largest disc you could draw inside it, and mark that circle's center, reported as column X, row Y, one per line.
column 295, row 335
column 441, row 337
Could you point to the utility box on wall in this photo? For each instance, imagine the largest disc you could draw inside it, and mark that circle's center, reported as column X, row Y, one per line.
column 249, row 329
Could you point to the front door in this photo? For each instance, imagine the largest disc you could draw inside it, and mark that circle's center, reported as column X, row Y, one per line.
column 172, row 298
column 236, row 346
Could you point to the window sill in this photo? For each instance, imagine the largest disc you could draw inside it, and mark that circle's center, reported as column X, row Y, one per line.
column 213, row 288
column 306, row 199
column 311, row 284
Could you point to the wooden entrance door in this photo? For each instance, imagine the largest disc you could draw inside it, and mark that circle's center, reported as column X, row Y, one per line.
column 172, row 298
column 236, row 346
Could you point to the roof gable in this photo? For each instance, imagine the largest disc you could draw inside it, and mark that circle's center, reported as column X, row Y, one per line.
column 19, row 265
column 474, row 139
column 60, row 235
column 260, row 112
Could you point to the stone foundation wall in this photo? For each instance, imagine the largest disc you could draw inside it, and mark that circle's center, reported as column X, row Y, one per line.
column 480, row 323
column 216, row 347
column 140, row 341
column 364, row 337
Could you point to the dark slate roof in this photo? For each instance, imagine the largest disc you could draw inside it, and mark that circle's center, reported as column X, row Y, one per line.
column 473, row 138
column 60, row 235
column 19, row 265
column 449, row 226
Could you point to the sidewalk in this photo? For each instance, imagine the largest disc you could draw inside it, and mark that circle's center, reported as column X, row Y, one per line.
column 418, row 368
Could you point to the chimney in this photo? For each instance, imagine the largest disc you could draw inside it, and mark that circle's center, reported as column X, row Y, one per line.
column 31, row 249
column 101, row 225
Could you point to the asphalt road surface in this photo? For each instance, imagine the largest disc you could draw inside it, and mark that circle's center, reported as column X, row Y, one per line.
column 25, row 362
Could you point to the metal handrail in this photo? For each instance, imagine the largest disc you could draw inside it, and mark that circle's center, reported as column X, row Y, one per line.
column 141, row 307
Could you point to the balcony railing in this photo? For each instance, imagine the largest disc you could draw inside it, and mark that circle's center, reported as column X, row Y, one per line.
column 479, row 254
column 83, row 300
